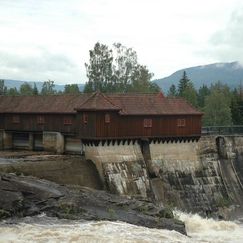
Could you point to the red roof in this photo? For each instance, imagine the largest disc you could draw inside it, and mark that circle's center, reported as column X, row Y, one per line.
column 126, row 104
column 41, row 104
column 151, row 104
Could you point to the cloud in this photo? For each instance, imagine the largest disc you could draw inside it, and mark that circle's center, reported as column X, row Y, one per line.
column 226, row 44
column 41, row 65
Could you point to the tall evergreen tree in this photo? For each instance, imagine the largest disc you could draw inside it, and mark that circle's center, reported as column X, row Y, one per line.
column 35, row 90
column 172, row 91
column 183, row 84
column 186, row 89
column 203, row 92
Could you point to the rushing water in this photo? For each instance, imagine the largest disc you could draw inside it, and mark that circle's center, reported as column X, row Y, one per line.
column 44, row 229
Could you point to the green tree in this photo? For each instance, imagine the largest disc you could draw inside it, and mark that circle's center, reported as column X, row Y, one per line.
column 236, row 108
column 48, row 88
column 99, row 69
column 35, row 90
column 26, row 89
column 12, row 92
column 117, row 70
column 202, row 93
column 183, row 84
column 71, row 89
column 3, row 88
column 186, row 89
column 217, row 106
column 172, row 91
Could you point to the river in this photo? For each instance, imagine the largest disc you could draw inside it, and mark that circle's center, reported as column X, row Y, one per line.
column 43, row 229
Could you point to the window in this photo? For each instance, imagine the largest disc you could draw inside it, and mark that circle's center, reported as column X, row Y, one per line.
column 85, row 118
column 15, row 119
column 107, row 118
column 40, row 120
column 67, row 121
column 181, row 122
column 147, row 123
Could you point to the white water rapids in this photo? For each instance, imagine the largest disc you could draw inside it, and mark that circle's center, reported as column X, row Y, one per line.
column 43, row 229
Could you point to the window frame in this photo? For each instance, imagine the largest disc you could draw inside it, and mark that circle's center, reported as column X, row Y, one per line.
column 181, row 122
column 16, row 119
column 107, row 118
column 85, row 118
column 147, row 123
column 40, row 120
column 67, row 121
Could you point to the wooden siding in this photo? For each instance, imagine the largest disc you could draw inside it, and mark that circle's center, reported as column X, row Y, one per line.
column 97, row 128
column 133, row 126
column 86, row 129
column 29, row 122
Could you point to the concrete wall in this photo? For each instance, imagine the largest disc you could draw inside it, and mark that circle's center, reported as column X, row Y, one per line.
column 173, row 156
column 60, row 169
column 189, row 175
column 6, row 140
column 121, row 167
column 53, row 141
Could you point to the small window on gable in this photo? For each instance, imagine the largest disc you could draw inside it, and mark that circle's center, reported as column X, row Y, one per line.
column 40, row 120
column 15, row 119
column 107, row 118
column 67, row 121
column 181, row 122
column 85, row 118
column 147, row 123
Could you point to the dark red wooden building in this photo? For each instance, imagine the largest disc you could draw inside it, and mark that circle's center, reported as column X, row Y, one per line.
column 101, row 116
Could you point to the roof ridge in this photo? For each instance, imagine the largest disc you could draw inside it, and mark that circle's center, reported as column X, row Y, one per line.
column 95, row 96
column 107, row 99
column 88, row 99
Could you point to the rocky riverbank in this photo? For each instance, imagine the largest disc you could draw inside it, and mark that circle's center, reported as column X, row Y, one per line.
column 25, row 196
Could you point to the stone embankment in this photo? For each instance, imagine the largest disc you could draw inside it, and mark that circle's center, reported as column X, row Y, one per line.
column 27, row 196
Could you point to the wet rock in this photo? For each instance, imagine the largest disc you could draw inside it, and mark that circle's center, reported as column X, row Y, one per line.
column 22, row 196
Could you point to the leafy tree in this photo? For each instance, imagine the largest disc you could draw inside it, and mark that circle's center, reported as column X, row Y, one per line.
column 172, row 91
column 48, row 88
column 217, row 106
column 99, row 69
column 117, row 70
column 26, row 89
column 3, row 88
column 71, row 89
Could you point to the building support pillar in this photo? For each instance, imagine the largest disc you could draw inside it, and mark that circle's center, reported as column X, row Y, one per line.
column 31, row 141
column 53, row 141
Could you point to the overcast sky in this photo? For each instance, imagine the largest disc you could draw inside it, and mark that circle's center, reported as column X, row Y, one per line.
column 51, row 39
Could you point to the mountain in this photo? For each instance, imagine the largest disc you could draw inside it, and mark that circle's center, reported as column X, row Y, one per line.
column 17, row 83
column 228, row 73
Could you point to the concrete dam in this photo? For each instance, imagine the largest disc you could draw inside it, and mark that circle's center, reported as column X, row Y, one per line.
column 203, row 176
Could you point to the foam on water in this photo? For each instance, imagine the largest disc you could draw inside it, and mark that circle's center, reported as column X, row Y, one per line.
column 210, row 230
column 44, row 229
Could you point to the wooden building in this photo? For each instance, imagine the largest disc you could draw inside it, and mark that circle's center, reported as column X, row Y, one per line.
column 98, row 116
